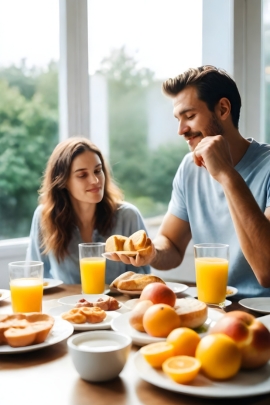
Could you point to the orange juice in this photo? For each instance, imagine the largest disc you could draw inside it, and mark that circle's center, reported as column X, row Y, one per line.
column 93, row 275
column 26, row 294
column 211, row 279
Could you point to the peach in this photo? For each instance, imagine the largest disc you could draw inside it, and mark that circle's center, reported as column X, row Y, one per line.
column 137, row 313
column 158, row 293
column 250, row 335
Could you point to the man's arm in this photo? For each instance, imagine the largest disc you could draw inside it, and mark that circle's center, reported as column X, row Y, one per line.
column 251, row 224
column 171, row 243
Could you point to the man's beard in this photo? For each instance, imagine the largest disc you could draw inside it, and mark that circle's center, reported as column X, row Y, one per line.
column 213, row 128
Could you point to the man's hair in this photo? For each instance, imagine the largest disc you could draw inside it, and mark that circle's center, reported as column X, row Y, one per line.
column 211, row 84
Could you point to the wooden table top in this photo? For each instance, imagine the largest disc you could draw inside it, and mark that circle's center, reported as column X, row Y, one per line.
column 48, row 376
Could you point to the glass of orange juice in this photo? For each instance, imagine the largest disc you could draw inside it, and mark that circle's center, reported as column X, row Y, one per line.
column 211, row 267
column 26, row 286
column 92, row 267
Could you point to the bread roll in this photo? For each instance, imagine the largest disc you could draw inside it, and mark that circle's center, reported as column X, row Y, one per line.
column 123, row 276
column 128, row 245
column 192, row 312
column 147, row 250
column 115, row 243
column 131, row 281
column 138, row 239
column 137, row 242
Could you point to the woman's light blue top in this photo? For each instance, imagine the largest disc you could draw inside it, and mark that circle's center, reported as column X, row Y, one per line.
column 128, row 220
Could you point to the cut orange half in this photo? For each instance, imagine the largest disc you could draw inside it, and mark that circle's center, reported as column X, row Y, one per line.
column 156, row 353
column 182, row 369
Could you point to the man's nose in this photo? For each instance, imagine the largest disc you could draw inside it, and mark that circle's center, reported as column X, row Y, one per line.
column 183, row 128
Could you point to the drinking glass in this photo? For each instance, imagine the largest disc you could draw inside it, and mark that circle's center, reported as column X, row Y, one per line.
column 92, row 267
column 211, row 266
column 26, row 286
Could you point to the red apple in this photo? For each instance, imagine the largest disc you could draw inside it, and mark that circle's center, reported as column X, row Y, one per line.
column 250, row 335
column 158, row 293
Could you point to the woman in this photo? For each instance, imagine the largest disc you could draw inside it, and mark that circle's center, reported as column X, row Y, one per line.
column 79, row 203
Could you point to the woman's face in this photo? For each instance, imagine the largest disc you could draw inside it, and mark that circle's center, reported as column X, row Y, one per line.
column 86, row 179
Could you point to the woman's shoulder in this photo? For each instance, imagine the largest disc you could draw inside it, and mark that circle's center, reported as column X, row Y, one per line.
column 128, row 220
column 37, row 213
column 127, row 209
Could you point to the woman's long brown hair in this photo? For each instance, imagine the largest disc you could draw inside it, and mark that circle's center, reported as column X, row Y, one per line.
column 58, row 218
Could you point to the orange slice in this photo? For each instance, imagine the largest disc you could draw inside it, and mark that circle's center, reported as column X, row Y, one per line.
column 182, row 369
column 156, row 353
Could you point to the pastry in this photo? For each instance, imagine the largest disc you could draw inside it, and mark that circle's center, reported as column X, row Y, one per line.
column 131, row 281
column 137, row 242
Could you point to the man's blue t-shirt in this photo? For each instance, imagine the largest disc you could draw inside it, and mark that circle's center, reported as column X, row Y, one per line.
column 199, row 199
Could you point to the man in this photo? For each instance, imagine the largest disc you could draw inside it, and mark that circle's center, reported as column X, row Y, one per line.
column 221, row 191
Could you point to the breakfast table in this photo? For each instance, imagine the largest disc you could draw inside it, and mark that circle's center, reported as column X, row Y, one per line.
column 48, row 376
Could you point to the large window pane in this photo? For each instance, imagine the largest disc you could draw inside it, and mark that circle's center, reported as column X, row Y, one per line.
column 29, row 53
column 133, row 47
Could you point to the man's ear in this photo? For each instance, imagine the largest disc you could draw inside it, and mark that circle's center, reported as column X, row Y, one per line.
column 223, row 108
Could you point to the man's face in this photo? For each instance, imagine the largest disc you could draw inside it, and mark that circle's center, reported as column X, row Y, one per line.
column 195, row 120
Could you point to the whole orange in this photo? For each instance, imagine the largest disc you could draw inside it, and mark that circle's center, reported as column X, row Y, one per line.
column 160, row 319
column 184, row 341
column 158, row 293
column 219, row 356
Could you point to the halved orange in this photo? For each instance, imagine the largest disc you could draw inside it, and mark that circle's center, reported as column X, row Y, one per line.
column 182, row 369
column 156, row 353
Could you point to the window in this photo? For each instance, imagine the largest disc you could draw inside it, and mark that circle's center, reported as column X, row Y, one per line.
column 29, row 54
column 133, row 47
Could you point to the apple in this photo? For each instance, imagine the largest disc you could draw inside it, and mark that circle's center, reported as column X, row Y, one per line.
column 250, row 335
column 158, row 293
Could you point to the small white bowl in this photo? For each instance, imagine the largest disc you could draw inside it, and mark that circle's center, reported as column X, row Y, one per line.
column 99, row 355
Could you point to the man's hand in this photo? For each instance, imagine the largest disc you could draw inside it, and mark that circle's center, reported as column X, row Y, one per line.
column 138, row 260
column 213, row 153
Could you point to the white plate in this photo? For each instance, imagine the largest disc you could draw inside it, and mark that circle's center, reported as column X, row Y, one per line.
column 176, row 287
column 108, row 255
column 259, row 304
column 192, row 291
column 244, row 384
column 231, row 291
column 73, row 299
column 51, row 283
column 130, row 304
column 61, row 330
column 105, row 324
column 121, row 324
column 4, row 294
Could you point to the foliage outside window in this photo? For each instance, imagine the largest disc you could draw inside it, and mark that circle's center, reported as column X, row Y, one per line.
column 145, row 174
column 28, row 133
